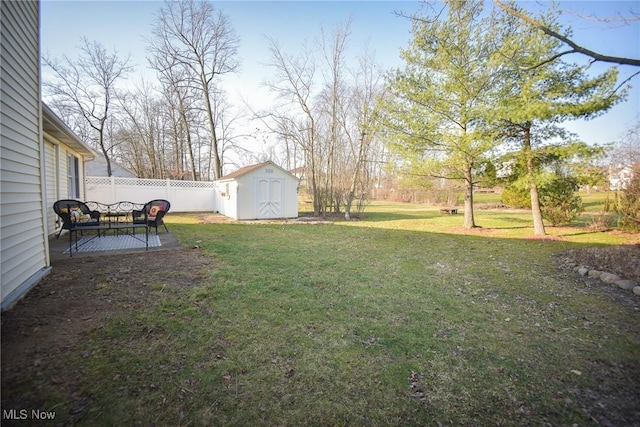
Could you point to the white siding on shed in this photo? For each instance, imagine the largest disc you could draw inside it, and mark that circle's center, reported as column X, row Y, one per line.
column 262, row 191
column 23, row 244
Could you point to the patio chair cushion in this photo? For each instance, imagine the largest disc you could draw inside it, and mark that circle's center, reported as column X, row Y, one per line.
column 78, row 216
column 153, row 212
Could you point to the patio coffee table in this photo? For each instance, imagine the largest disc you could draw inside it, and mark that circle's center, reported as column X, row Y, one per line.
column 100, row 217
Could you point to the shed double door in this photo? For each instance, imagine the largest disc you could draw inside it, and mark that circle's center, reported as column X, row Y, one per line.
column 269, row 197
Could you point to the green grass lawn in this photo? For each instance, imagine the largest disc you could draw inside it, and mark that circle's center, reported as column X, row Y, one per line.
column 398, row 318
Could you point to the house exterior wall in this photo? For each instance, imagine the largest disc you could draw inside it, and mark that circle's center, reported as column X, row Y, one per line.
column 51, row 182
column 98, row 167
column 619, row 179
column 23, row 247
column 56, row 176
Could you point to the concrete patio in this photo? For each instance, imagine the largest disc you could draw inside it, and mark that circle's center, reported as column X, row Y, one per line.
column 110, row 245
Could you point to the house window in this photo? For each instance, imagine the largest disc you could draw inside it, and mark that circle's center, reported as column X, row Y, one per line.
column 74, row 176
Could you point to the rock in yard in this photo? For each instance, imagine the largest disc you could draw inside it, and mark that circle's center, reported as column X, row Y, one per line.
column 625, row 284
column 583, row 271
column 595, row 273
column 609, row 277
column 636, row 290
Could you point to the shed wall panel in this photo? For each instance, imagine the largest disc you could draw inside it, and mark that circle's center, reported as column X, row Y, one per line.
column 246, row 201
column 242, row 202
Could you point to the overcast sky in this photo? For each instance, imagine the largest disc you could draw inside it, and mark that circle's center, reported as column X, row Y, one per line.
column 124, row 25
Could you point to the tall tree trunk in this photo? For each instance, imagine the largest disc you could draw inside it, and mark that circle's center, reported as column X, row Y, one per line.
column 182, row 111
column 469, row 221
column 536, row 212
column 187, row 131
column 107, row 160
column 317, row 199
column 217, row 167
column 355, row 178
column 329, row 203
column 176, row 142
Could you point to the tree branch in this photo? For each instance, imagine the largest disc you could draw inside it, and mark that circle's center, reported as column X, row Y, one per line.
column 575, row 47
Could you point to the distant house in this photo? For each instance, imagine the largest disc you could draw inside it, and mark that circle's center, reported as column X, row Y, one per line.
column 40, row 158
column 260, row 191
column 97, row 166
column 619, row 178
column 299, row 173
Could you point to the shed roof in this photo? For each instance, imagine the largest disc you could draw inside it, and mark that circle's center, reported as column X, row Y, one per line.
column 247, row 169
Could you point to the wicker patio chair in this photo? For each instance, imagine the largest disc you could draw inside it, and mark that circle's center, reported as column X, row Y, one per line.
column 75, row 215
column 153, row 213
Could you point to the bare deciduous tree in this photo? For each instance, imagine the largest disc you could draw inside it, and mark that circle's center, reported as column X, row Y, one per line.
column 176, row 91
column 86, row 88
column 333, row 52
column 297, row 121
column 202, row 41
column 626, row 152
column 325, row 112
column 229, row 136
column 362, row 133
column 145, row 122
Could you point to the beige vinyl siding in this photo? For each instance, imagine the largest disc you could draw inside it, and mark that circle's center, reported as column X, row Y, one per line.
column 82, row 174
column 57, row 179
column 65, row 152
column 20, row 68
column 81, row 169
column 51, row 183
column 23, row 247
column 64, row 175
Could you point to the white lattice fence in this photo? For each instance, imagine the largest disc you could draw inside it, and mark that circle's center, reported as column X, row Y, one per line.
column 185, row 196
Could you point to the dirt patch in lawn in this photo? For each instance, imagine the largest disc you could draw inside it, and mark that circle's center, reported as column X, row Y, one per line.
column 45, row 329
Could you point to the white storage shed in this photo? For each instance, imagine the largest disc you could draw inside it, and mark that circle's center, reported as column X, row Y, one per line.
column 261, row 191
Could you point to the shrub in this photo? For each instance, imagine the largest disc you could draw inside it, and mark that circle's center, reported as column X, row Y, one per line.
column 515, row 196
column 602, row 221
column 559, row 200
column 629, row 204
column 610, row 206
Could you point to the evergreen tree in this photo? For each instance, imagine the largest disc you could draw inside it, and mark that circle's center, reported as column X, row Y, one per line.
column 436, row 116
column 537, row 98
